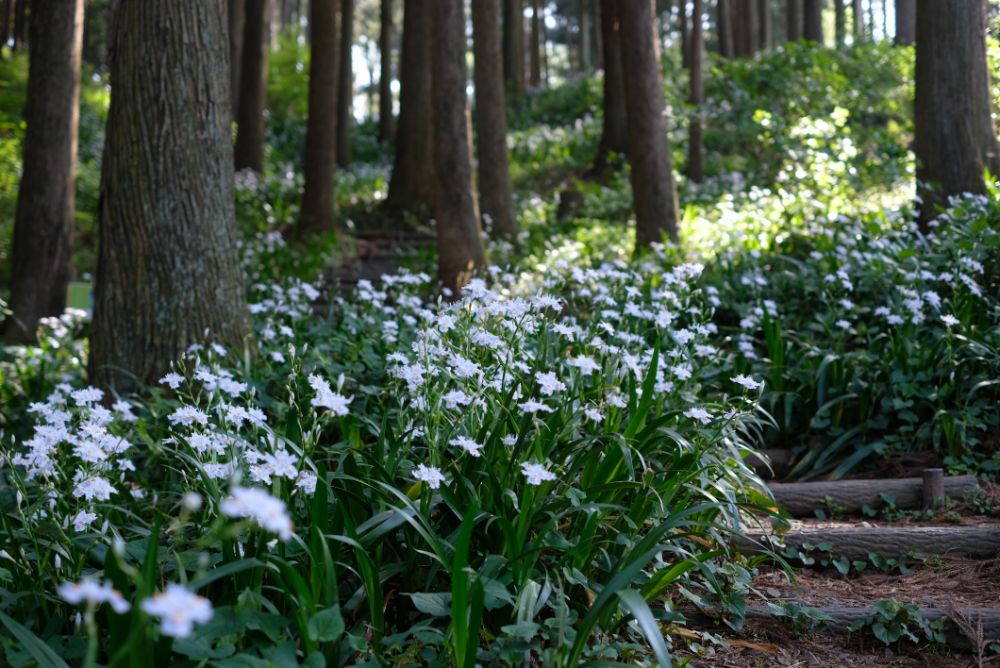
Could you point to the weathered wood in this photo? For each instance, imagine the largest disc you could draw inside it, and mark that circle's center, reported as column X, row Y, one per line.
column 933, row 488
column 859, row 542
column 802, row 499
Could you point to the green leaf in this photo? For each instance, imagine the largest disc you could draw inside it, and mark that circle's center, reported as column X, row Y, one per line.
column 326, row 625
column 638, row 608
column 437, row 605
column 39, row 651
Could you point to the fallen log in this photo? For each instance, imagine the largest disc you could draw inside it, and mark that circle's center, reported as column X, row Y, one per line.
column 771, row 464
column 859, row 542
column 802, row 499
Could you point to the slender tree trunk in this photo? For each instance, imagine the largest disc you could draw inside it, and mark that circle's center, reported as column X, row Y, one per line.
column 237, row 23
column 859, row 21
column 459, row 238
column 586, row 37
column 793, row 20
column 43, row 220
column 840, row 22
column 595, row 32
column 766, row 39
column 536, row 44
column 751, row 27
column 5, row 7
column 319, row 163
column 954, row 134
column 682, row 24
column 695, row 166
column 513, row 46
column 345, row 85
column 614, row 128
column 885, row 19
column 386, row 121
column 495, row 196
column 20, row 23
column 906, row 21
column 724, row 22
column 871, row 19
column 653, row 188
column 249, row 152
column 168, row 268
column 812, row 28
column 411, row 183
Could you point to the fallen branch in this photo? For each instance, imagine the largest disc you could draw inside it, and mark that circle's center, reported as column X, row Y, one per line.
column 802, row 499
column 859, row 542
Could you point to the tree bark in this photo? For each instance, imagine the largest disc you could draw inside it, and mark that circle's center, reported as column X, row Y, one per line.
column 766, row 35
column 858, row 18
column 319, row 163
column 724, row 23
column 535, row 66
column 859, row 542
column 840, row 23
column 249, row 151
column 495, row 196
column 614, row 127
column 695, row 166
column 20, row 23
column 906, row 21
column 386, row 120
column 653, row 189
column 513, row 46
column 237, row 23
column 43, row 219
column 411, row 183
column 793, row 21
column 459, row 238
column 168, row 268
column 954, row 136
column 802, row 499
column 345, row 85
column 682, row 24
column 812, row 25
column 5, row 7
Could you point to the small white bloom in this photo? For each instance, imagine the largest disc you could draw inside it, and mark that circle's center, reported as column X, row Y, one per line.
column 949, row 320
column 178, row 609
column 585, row 364
column 467, row 444
column 699, row 414
column 92, row 591
column 431, row 475
column 747, row 382
column 536, row 473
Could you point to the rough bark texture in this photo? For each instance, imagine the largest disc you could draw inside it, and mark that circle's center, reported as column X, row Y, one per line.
column 411, row 183
column 535, row 66
column 802, row 499
column 513, row 46
column 906, row 21
column 724, row 25
column 43, row 220
column 840, row 22
column 746, row 29
column 459, row 239
column 495, row 197
column 653, row 189
column 386, row 120
column 614, row 128
column 249, row 151
column 695, row 166
column 858, row 18
column 237, row 23
column 319, row 164
column 812, row 23
column 793, row 21
column 859, row 542
column 345, row 85
column 168, row 269
column 954, row 135
column 765, row 25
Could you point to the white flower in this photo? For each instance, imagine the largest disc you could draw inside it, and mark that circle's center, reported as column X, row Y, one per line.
column 431, row 475
column 456, row 398
column 949, row 320
column 92, row 591
column 593, row 414
column 307, row 482
column 843, row 324
column 178, row 609
column 467, row 444
column 92, row 488
column 747, row 382
column 532, row 406
column 549, row 383
column 188, row 415
column 463, row 368
column 191, row 502
column 585, row 364
column 509, row 439
column 327, row 398
column 263, row 509
column 87, row 396
column 83, row 519
column 699, row 414
column 536, row 473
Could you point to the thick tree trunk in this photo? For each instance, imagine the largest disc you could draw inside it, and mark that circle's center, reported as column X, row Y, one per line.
column 840, row 22
column 906, row 21
column 411, row 183
column 766, row 35
column 812, row 25
column 793, row 21
column 535, row 66
column 168, row 268
column 495, row 197
column 724, row 24
column 319, row 164
column 859, row 542
column 653, row 188
column 249, row 152
column 682, row 24
column 20, row 23
column 695, row 166
column 237, row 23
column 954, row 135
column 43, row 220
column 5, row 7
column 386, row 120
column 459, row 238
column 803, row 499
column 858, row 19
column 345, row 85
column 614, row 128
column 513, row 46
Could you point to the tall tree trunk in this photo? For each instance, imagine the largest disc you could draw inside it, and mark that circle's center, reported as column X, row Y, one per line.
column 682, row 24
column 249, row 152
column 954, row 136
column 793, row 20
column 386, row 121
column 536, row 44
column 840, row 22
column 812, row 28
column 586, row 37
column 43, row 220
column 858, row 17
column 614, row 128
column 5, row 7
column 495, row 197
column 319, row 163
column 168, row 268
column 906, row 21
column 738, row 13
column 653, row 188
column 513, row 46
column 459, row 238
column 724, row 23
column 695, row 163
column 20, row 23
column 237, row 23
column 345, row 85
column 885, row 19
column 751, row 27
column 410, row 185
column 766, row 34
